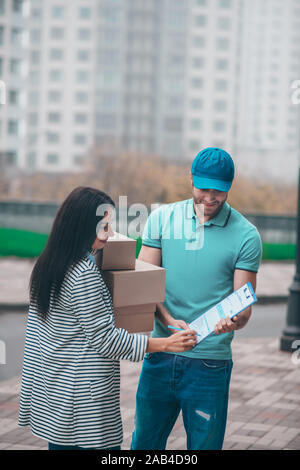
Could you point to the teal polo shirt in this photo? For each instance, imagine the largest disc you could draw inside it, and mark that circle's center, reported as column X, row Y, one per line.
column 200, row 261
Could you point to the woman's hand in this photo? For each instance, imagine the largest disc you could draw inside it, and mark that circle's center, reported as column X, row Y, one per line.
column 178, row 342
column 181, row 341
column 178, row 324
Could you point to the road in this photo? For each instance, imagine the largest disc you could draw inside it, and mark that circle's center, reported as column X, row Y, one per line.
column 266, row 321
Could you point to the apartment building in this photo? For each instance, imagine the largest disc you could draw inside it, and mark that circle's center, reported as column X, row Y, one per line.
column 60, row 112
column 165, row 77
column 13, row 77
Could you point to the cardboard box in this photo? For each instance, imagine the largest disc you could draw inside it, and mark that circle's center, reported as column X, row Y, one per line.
column 118, row 253
column 136, row 318
column 144, row 285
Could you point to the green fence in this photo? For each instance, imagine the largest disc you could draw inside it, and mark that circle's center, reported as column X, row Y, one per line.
column 25, row 244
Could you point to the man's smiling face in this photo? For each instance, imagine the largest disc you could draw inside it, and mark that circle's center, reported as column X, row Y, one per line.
column 212, row 200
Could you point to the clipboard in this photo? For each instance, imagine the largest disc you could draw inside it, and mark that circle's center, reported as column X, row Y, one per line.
column 231, row 306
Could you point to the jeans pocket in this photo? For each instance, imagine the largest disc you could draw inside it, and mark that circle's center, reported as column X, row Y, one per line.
column 151, row 356
column 214, row 363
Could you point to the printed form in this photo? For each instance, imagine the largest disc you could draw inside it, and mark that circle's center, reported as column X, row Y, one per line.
column 232, row 305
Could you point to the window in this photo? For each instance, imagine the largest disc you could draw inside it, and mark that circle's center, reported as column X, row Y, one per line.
column 198, row 62
column 36, row 13
column 195, row 124
column 80, row 118
column 196, row 103
column 54, row 96
column 57, row 33
column 110, row 14
column 220, row 105
column 224, row 3
column 58, row 12
column 173, row 124
column 108, row 57
column 35, row 36
column 81, row 97
column 222, row 64
column 197, row 82
column 33, row 119
column 79, row 139
column 56, row 54
column 13, row 97
column 106, row 121
column 223, row 44
column 32, row 139
column 13, row 127
column 1, row 67
column 52, row 158
column 200, row 20
column 2, row 7
column 53, row 137
column 31, row 159
column 16, row 36
column 54, row 117
column 17, row 6
column 83, row 55
column 11, row 158
column 84, row 34
column 34, row 77
column 200, row 2
column 224, row 23
column 35, row 57
column 219, row 126
column 194, row 145
column 82, row 76
column 15, row 66
column 55, row 75
column 199, row 41
column 84, row 13
column 221, row 85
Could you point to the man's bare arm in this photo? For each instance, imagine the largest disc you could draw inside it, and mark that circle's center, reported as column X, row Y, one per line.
column 225, row 325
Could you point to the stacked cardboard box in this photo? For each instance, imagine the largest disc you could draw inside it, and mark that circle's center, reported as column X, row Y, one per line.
column 135, row 286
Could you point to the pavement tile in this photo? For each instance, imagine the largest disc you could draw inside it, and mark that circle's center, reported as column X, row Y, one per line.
column 264, row 406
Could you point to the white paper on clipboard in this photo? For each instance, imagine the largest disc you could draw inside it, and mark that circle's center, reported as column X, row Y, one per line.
column 232, row 305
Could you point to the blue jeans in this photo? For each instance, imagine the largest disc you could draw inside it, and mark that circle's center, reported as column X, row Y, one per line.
column 170, row 383
column 63, row 447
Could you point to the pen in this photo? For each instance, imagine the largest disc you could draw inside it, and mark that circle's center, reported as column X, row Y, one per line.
column 179, row 329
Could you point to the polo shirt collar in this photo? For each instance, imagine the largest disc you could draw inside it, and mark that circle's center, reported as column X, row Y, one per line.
column 221, row 218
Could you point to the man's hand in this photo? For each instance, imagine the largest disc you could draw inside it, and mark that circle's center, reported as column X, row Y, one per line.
column 226, row 325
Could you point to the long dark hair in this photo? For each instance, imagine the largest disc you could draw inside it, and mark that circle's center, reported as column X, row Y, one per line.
column 72, row 235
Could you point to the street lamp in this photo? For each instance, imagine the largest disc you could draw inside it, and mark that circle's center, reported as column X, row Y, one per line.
column 291, row 332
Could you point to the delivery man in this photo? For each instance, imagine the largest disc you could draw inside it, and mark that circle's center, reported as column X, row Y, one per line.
column 227, row 254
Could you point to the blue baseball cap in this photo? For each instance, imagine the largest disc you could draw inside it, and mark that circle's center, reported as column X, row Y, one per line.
column 213, row 168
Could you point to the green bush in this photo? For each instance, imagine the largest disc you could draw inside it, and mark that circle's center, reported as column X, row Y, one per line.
column 25, row 244
column 274, row 251
column 21, row 243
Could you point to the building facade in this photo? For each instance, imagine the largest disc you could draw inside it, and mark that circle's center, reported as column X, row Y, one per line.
column 14, row 16
column 165, row 77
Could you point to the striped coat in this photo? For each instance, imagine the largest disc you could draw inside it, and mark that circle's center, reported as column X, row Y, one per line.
column 70, row 393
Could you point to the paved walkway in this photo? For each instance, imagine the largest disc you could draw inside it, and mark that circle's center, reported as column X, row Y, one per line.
column 264, row 404
column 273, row 282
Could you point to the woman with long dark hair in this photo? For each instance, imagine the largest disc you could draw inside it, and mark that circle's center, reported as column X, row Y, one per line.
column 70, row 392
